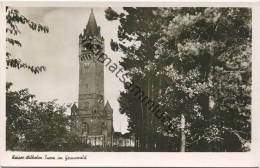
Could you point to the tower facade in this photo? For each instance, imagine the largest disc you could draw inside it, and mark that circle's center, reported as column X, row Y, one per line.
column 93, row 120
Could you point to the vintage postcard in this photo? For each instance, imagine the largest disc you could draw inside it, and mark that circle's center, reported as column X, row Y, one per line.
column 130, row 83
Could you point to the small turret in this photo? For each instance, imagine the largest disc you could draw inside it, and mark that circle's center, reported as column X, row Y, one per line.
column 108, row 110
column 74, row 109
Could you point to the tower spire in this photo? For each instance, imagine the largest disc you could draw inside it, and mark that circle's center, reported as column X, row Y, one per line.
column 92, row 28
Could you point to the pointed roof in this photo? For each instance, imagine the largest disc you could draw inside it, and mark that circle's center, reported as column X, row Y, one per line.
column 74, row 109
column 92, row 28
column 108, row 108
column 74, row 106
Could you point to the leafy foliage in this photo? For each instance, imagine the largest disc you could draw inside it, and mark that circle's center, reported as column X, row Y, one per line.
column 13, row 20
column 211, row 43
column 36, row 126
column 138, row 31
column 194, row 62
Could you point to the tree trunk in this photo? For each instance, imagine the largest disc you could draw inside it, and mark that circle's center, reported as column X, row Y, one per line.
column 142, row 125
column 152, row 118
column 183, row 137
column 160, row 135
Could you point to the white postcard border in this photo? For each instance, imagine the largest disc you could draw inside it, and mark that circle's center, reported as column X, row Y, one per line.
column 153, row 159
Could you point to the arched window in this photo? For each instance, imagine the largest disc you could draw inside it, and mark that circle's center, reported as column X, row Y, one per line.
column 103, row 127
column 94, row 111
column 88, row 46
column 86, row 105
column 85, row 129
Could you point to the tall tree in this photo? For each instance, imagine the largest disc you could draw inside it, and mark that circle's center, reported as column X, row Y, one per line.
column 191, row 50
column 207, row 45
column 138, row 31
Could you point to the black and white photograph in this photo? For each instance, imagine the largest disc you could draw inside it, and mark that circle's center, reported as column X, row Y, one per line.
column 132, row 84
column 128, row 79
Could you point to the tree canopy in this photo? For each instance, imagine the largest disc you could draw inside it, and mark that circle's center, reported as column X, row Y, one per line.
column 13, row 20
column 33, row 125
column 196, row 63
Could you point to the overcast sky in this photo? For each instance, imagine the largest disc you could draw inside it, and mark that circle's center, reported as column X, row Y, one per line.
column 58, row 51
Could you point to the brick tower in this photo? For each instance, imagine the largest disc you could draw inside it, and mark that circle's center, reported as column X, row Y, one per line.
column 93, row 120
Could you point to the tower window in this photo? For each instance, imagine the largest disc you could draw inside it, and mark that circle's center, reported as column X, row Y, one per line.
column 88, row 46
column 103, row 127
column 85, row 128
column 94, row 112
column 84, row 125
column 86, row 105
